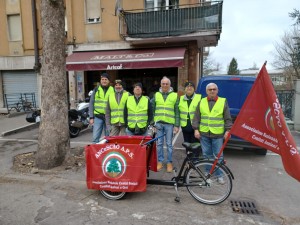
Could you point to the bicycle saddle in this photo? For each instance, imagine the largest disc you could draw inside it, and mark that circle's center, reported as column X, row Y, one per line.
column 191, row 146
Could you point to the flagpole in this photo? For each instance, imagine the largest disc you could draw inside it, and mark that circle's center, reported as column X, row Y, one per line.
column 220, row 152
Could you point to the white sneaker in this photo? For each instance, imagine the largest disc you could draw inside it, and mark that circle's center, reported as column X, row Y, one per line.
column 221, row 180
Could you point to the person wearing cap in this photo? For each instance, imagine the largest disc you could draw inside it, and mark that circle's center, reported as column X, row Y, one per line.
column 137, row 112
column 187, row 107
column 97, row 106
column 114, row 116
column 211, row 123
column 166, row 118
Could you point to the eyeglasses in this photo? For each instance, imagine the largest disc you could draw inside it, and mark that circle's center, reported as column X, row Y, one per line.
column 164, row 83
column 212, row 89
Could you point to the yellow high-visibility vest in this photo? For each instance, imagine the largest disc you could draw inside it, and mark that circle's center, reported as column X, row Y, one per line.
column 186, row 110
column 164, row 110
column 101, row 100
column 117, row 110
column 213, row 120
column 137, row 113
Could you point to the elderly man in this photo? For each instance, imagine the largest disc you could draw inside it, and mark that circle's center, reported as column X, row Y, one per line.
column 212, row 122
column 138, row 112
column 187, row 107
column 166, row 118
column 114, row 116
column 97, row 105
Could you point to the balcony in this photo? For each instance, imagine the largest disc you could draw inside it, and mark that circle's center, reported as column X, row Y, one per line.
column 201, row 22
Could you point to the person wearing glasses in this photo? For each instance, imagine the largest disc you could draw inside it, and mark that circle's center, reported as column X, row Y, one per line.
column 138, row 112
column 97, row 106
column 187, row 107
column 211, row 123
column 114, row 116
column 166, row 118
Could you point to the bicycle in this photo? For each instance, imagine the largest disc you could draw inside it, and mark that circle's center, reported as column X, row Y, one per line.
column 208, row 181
column 24, row 105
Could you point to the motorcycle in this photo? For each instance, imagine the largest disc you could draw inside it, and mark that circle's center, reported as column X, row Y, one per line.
column 78, row 118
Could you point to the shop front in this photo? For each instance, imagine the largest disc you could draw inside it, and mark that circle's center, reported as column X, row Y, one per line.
column 132, row 65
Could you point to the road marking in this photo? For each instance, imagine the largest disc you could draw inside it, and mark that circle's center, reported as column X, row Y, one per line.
column 176, row 136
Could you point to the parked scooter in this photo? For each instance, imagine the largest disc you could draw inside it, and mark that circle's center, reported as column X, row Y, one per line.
column 78, row 118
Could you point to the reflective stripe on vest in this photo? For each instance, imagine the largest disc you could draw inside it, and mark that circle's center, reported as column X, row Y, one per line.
column 117, row 110
column 213, row 120
column 184, row 109
column 164, row 110
column 137, row 113
column 101, row 100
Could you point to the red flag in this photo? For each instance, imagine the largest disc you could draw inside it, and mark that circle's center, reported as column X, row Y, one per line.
column 261, row 122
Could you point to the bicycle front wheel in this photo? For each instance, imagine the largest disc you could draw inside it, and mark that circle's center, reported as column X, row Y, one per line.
column 210, row 191
column 111, row 195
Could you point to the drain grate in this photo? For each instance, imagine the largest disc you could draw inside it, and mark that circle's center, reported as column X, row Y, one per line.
column 246, row 207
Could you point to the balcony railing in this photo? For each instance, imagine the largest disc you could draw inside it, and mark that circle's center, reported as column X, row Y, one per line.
column 184, row 20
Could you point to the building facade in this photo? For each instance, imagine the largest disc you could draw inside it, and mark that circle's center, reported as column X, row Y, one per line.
column 137, row 40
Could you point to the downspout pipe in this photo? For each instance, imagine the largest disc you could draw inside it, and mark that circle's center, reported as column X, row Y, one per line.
column 37, row 64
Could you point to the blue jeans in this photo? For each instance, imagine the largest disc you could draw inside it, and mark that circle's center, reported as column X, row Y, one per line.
column 211, row 148
column 161, row 130
column 98, row 126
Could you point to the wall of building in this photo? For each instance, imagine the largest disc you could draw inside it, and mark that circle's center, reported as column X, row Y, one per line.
column 4, row 50
column 27, row 27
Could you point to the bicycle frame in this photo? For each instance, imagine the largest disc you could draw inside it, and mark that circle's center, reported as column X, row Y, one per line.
column 200, row 176
column 177, row 178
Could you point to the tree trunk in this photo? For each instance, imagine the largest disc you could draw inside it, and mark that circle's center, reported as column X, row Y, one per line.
column 54, row 140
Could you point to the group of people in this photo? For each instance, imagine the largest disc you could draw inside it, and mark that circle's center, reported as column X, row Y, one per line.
column 117, row 112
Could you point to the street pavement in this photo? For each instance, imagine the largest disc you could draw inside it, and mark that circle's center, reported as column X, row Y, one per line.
column 60, row 196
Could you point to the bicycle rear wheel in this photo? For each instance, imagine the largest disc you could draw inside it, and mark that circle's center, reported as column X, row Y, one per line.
column 214, row 190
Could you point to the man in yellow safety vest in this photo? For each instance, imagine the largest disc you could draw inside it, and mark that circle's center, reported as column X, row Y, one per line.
column 138, row 112
column 187, row 107
column 97, row 106
column 212, row 122
column 166, row 118
column 114, row 116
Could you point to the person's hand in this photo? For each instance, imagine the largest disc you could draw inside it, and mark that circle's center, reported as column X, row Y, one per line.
column 91, row 121
column 175, row 130
column 197, row 134
column 226, row 134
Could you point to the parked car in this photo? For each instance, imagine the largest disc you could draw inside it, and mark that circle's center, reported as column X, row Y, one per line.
column 235, row 89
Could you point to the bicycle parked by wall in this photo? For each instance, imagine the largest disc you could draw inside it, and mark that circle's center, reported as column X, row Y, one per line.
column 22, row 105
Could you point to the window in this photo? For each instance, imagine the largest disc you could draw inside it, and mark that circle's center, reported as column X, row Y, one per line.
column 161, row 4
column 14, row 27
column 92, row 11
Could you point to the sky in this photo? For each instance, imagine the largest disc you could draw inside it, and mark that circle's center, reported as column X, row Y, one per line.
column 250, row 29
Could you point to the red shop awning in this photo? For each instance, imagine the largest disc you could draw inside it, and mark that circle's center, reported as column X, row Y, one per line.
column 126, row 59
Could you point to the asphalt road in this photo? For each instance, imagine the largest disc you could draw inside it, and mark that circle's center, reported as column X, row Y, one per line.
column 61, row 197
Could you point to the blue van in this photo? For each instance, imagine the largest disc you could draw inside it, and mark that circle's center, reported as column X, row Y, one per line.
column 235, row 89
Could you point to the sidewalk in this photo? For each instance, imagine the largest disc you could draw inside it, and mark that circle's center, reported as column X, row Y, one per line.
column 14, row 123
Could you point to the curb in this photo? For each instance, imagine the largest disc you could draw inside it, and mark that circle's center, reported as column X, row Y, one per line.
column 19, row 129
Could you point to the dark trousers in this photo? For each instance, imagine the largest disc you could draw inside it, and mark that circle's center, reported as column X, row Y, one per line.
column 188, row 136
